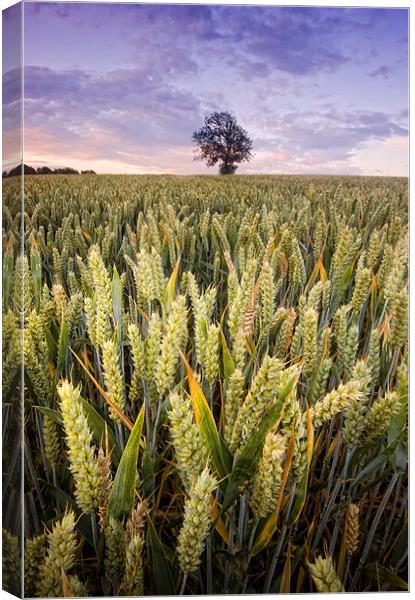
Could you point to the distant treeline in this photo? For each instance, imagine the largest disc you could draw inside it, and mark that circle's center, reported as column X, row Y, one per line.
column 28, row 170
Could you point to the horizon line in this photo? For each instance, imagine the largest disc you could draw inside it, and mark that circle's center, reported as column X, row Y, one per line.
column 142, row 174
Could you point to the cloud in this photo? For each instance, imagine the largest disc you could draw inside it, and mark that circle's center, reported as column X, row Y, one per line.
column 300, row 41
column 296, row 42
column 127, row 102
column 169, row 65
column 12, row 101
column 12, row 85
column 321, row 141
column 127, row 117
column 383, row 71
column 122, row 117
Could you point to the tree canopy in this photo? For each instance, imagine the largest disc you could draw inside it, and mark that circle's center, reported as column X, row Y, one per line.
column 221, row 140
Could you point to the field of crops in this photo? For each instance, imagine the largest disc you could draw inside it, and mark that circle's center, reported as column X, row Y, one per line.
column 215, row 384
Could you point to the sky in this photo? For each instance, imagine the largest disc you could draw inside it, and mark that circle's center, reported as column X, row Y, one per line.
column 120, row 88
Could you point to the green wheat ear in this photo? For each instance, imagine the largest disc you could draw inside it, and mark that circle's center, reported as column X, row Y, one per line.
column 35, row 551
column 324, row 575
column 114, row 552
column 51, row 441
column 174, row 339
column 190, row 450
column 310, row 340
column 113, row 376
column 83, row 464
column 101, row 283
column 336, row 401
column 380, row 415
column 196, row 522
column 267, row 481
column 133, row 582
column 211, row 354
column 262, row 392
column 62, row 546
column 138, row 355
column 233, row 400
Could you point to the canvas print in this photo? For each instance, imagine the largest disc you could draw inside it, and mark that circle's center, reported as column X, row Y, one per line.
column 205, row 299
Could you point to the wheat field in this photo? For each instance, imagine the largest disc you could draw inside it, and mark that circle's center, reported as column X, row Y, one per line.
column 215, row 384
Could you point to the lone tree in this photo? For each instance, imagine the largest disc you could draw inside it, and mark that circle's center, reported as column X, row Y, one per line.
column 221, row 140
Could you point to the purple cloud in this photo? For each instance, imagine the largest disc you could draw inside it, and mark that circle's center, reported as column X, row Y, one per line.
column 298, row 41
column 12, row 85
column 128, row 102
column 311, row 141
column 383, row 71
column 136, row 80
